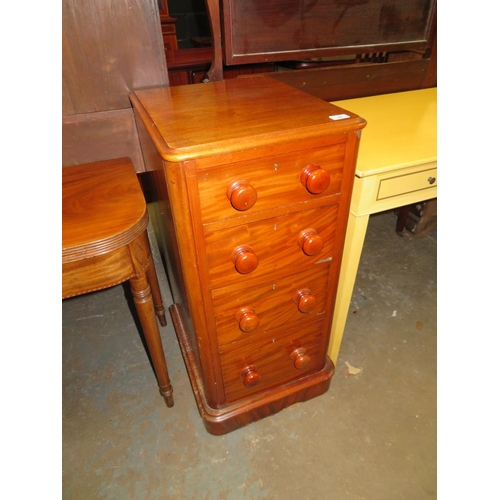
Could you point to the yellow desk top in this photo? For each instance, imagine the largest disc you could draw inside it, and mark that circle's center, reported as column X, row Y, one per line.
column 401, row 130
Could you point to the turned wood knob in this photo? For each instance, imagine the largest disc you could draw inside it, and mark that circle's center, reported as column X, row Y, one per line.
column 315, row 179
column 310, row 241
column 300, row 359
column 250, row 376
column 244, row 259
column 305, row 300
column 247, row 320
column 241, row 194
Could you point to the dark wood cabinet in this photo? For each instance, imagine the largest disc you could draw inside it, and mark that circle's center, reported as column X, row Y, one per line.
column 187, row 66
column 280, row 30
column 349, row 48
column 168, row 29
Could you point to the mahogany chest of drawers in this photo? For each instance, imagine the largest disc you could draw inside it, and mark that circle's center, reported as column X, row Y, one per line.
column 253, row 180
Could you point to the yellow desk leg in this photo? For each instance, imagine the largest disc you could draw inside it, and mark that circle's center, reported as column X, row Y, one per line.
column 355, row 236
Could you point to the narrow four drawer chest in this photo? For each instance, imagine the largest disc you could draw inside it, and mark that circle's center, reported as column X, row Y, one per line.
column 252, row 182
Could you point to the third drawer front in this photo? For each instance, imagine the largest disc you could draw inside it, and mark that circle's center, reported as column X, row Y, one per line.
column 252, row 311
column 258, row 364
column 271, row 247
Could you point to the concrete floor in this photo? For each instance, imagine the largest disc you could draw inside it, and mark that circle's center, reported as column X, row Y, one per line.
column 371, row 436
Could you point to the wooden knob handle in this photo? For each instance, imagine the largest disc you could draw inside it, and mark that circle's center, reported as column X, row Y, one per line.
column 250, row 376
column 300, row 359
column 241, row 195
column 315, row 179
column 247, row 320
column 310, row 241
column 244, row 259
column 305, row 300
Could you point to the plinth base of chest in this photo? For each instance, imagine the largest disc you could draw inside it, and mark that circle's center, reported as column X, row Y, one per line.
column 244, row 412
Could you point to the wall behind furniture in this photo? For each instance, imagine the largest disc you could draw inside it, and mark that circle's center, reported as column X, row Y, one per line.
column 109, row 49
column 192, row 22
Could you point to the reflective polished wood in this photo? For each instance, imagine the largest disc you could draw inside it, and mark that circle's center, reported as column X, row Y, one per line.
column 105, row 242
column 253, row 179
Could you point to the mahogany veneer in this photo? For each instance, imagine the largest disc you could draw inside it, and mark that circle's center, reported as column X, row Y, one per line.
column 105, row 242
column 253, row 179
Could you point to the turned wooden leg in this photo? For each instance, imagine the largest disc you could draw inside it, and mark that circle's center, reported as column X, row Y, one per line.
column 155, row 292
column 141, row 292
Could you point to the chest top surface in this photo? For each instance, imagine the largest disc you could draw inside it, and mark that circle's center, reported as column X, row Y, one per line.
column 401, row 131
column 193, row 121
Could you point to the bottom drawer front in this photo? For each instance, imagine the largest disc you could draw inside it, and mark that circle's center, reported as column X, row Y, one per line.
column 259, row 364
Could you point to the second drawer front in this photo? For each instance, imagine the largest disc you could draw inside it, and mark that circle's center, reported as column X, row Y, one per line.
column 255, row 310
column 275, row 246
column 278, row 359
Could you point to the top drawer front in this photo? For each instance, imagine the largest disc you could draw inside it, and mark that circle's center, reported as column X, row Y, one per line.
column 270, row 182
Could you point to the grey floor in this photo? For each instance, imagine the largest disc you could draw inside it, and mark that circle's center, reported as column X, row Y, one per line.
column 371, row 436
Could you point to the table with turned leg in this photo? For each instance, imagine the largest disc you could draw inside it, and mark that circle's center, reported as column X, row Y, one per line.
column 105, row 242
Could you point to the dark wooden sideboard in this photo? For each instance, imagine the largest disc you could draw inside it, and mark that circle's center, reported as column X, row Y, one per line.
column 188, row 66
column 168, row 28
column 350, row 48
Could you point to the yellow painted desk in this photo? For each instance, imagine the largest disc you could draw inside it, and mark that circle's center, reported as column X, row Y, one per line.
column 397, row 166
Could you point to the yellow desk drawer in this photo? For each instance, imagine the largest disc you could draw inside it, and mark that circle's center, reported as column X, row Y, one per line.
column 405, row 183
column 389, row 190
